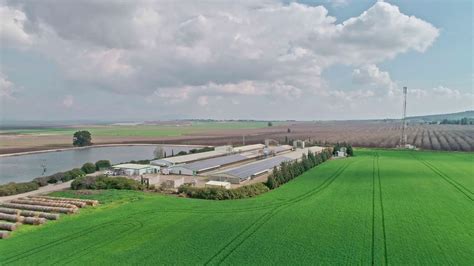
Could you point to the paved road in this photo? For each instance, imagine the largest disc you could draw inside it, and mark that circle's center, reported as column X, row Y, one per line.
column 41, row 190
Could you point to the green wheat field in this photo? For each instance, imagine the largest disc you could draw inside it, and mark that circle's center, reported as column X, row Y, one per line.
column 379, row 207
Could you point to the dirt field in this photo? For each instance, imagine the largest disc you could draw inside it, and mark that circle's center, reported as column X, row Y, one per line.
column 358, row 133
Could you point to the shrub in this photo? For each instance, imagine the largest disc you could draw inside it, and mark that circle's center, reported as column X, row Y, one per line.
column 17, row 188
column 102, row 164
column 222, row 193
column 140, row 161
column 205, row 149
column 88, row 168
column 104, row 182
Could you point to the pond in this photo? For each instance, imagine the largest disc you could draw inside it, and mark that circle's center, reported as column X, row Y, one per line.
column 21, row 168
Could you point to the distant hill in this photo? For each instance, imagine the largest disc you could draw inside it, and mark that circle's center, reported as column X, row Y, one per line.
column 440, row 117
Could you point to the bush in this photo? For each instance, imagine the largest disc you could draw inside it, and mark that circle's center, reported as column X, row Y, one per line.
column 17, row 188
column 104, row 182
column 205, row 149
column 88, row 168
column 140, row 161
column 59, row 177
column 102, row 164
column 222, row 193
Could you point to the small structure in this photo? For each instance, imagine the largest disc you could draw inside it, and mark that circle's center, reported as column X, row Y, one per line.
column 221, row 184
column 173, row 183
column 131, row 169
column 298, row 144
column 342, row 152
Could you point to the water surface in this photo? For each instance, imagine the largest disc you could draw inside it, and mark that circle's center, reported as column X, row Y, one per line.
column 22, row 168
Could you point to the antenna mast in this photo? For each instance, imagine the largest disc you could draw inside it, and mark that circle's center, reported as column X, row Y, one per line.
column 403, row 137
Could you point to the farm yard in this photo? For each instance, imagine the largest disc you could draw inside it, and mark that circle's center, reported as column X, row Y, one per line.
column 379, row 207
column 378, row 134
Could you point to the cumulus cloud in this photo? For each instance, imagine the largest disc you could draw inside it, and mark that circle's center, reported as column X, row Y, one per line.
column 372, row 76
column 12, row 32
column 180, row 51
column 68, row 101
column 203, row 100
column 6, row 87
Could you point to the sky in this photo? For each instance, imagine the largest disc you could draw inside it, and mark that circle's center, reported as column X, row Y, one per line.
column 263, row 59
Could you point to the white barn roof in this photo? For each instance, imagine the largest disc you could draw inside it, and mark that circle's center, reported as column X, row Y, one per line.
column 131, row 166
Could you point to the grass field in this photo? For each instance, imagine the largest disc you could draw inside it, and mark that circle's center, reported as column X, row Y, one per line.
column 142, row 130
column 380, row 207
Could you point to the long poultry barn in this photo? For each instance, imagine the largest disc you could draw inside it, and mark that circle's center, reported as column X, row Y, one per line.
column 198, row 167
column 248, row 171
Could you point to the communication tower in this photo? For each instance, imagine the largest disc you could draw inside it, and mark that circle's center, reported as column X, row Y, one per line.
column 403, row 137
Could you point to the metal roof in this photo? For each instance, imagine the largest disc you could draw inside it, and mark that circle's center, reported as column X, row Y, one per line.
column 131, row 166
column 248, row 148
column 244, row 172
column 215, row 162
column 217, row 183
column 204, row 155
column 277, row 149
column 189, row 157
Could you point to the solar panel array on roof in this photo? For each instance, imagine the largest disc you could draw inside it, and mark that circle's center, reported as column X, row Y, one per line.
column 215, row 162
column 248, row 170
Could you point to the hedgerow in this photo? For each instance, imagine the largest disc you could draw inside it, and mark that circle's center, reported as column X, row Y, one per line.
column 222, row 193
column 17, row 188
column 104, row 182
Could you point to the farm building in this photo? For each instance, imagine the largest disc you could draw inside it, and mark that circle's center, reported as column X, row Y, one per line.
column 206, row 165
column 167, row 162
column 272, row 150
column 248, row 171
column 247, row 148
column 173, row 183
column 218, row 151
column 221, row 184
column 342, row 152
column 131, row 169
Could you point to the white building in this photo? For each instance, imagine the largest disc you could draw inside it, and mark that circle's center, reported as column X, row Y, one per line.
column 131, row 169
column 221, row 184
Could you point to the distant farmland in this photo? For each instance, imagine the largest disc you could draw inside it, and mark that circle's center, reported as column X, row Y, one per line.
column 380, row 207
column 359, row 133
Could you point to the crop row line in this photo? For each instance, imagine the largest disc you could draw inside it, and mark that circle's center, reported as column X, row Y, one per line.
column 446, row 178
column 59, row 241
column 382, row 212
column 254, row 227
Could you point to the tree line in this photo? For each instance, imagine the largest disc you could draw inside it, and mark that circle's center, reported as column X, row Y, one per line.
column 289, row 170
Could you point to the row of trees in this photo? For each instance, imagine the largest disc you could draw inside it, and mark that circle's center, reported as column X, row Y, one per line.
column 289, row 170
column 462, row 121
column 160, row 152
column 22, row 187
